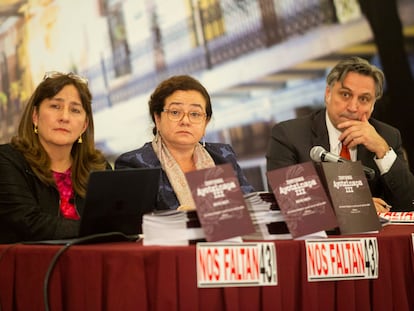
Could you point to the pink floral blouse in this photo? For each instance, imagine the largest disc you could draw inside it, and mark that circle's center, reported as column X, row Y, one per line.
column 64, row 184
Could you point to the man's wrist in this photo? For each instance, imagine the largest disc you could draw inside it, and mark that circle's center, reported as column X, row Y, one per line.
column 384, row 164
column 383, row 153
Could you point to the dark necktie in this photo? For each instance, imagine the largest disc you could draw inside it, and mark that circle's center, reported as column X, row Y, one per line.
column 345, row 153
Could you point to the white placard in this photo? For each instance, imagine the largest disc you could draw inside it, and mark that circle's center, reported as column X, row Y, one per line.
column 398, row 217
column 241, row 264
column 342, row 259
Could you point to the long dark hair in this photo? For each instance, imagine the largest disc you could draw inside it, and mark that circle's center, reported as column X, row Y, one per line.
column 85, row 156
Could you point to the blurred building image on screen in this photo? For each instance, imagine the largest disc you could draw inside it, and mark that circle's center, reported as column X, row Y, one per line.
column 263, row 61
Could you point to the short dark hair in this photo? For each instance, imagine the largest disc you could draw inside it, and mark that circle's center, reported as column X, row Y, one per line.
column 168, row 87
column 360, row 66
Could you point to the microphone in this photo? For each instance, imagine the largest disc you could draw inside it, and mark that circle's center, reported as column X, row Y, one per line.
column 318, row 154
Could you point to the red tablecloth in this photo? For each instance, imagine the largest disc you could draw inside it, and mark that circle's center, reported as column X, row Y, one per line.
column 130, row 276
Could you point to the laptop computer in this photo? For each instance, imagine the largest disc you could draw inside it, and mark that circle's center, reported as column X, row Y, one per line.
column 115, row 202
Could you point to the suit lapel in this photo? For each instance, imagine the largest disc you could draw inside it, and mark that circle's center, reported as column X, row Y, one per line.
column 319, row 132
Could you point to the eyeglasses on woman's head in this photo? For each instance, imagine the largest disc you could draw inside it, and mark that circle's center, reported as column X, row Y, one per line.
column 56, row 74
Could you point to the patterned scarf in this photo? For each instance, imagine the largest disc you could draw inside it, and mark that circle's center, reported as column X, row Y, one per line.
column 202, row 159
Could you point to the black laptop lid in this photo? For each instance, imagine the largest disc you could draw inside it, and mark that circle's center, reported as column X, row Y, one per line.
column 116, row 200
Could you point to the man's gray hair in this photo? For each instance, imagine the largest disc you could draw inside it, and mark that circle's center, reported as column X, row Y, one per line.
column 360, row 66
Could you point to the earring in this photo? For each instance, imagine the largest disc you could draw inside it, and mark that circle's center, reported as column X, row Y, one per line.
column 204, row 141
column 35, row 129
column 80, row 139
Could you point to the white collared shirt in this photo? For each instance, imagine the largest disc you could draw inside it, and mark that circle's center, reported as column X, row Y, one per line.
column 335, row 144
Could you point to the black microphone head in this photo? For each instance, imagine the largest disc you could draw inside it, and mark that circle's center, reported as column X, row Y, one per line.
column 316, row 153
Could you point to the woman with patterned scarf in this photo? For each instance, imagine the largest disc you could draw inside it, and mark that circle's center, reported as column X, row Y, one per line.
column 180, row 108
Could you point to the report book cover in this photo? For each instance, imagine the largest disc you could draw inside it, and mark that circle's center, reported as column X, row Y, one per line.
column 219, row 202
column 302, row 199
column 351, row 197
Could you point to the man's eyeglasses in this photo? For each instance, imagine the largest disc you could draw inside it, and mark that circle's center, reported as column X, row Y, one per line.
column 56, row 74
column 177, row 115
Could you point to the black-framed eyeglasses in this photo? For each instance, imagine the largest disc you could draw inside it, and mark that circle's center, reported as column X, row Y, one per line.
column 56, row 74
column 193, row 116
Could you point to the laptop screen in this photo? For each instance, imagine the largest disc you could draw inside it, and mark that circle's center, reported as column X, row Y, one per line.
column 116, row 200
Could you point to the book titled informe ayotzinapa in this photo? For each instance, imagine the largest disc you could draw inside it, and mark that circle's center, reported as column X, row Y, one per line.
column 302, row 199
column 351, row 197
column 220, row 204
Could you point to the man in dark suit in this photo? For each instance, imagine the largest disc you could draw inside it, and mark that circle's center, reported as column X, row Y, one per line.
column 352, row 88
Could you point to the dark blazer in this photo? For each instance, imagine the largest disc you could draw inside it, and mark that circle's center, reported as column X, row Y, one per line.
column 146, row 157
column 291, row 141
column 29, row 209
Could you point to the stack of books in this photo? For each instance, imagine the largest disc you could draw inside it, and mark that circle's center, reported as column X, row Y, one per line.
column 267, row 219
column 172, row 227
